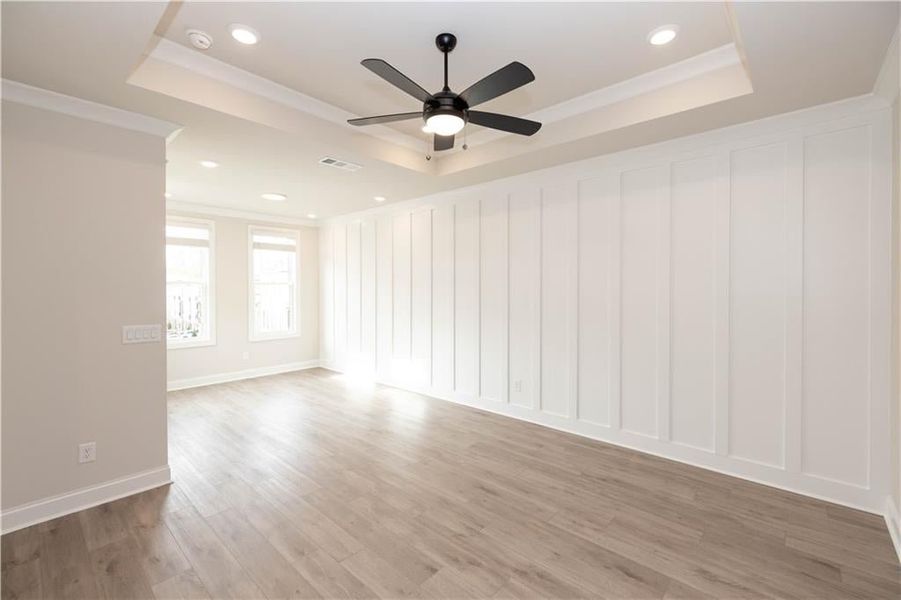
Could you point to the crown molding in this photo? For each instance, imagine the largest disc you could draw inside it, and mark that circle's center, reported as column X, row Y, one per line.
column 684, row 70
column 235, row 213
column 888, row 82
column 14, row 91
column 201, row 64
column 196, row 62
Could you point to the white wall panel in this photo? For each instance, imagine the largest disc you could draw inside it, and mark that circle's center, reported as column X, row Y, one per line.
column 354, row 292
column 340, row 274
column 722, row 300
column 421, row 296
column 368, row 292
column 402, row 286
column 327, row 294
column 384, row 258
column 758, row 293
column 836, row 301
column 595, row 311
column 693, row 318
column 559, row 211
column 525, row 297
column 466, row 297
column 493, row 305
column 443, row 299
column 643, row 193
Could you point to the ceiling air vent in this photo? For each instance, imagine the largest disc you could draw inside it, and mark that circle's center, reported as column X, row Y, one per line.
column 340, row 164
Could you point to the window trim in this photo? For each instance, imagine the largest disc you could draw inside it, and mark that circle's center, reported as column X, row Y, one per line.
column 252, row 335
column 211, row 226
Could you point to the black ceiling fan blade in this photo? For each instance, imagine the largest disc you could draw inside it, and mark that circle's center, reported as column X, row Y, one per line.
column 498, row 83
column 384, row 118
column 443, row 142
column 396, row 78
column 504, row 122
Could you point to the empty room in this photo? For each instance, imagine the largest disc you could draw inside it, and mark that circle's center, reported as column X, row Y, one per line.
column 450, row 300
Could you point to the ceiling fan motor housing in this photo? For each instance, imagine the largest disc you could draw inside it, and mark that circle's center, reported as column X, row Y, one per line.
column 444, row 103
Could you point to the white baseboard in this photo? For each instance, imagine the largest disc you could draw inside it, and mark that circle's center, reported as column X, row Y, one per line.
column 893, row 522
column 192, row 382
column 57, row 506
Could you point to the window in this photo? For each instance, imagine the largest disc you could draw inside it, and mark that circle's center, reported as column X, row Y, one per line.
column 189, row 283
column 273, row 283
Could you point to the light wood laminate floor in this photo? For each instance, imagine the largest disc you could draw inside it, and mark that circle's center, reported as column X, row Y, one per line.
column 306, row 486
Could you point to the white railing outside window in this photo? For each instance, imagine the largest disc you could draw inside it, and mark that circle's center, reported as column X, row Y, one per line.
column 185, row 310
column 189, row 284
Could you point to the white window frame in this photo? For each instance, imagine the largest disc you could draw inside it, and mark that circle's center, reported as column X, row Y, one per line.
column 252, row 334
column 211, row 226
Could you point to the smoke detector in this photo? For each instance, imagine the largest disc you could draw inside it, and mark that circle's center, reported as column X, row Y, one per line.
column 199, row 39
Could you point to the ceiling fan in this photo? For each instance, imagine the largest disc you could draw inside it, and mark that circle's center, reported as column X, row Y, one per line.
column 445, row 113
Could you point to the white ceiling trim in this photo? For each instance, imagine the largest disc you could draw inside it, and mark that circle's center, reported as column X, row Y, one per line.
column 888, row 83
column 696, row 66
column 234, row 213
column 196, row 62
column 14, row 91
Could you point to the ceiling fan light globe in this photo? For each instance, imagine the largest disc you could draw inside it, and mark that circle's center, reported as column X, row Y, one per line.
column 445, row 124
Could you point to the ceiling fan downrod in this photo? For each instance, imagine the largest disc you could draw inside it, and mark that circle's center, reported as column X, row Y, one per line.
column 446, row 42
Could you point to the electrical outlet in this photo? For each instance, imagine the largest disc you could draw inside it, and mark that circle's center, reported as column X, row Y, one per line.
column 87, row 452
column 517, row 385
column 246, row 355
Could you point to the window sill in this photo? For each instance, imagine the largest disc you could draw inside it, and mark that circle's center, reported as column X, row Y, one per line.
column 275, row 336
column 189, row 344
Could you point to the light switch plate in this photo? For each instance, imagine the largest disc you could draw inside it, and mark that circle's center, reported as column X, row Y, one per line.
column 142, row 334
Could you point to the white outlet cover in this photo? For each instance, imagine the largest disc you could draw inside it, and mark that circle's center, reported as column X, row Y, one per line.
column 87, row 452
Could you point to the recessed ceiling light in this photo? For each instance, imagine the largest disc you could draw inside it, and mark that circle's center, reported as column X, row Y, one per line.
column 378, row 198
column 168, row 194
column 663, row 35
column 274, row 197
column 311, row 216
column 209, row 164
column 244, row 34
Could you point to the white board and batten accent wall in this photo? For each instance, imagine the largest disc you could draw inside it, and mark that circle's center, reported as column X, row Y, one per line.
column 722, row 300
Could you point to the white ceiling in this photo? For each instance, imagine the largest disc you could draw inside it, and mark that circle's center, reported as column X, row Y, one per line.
column 573, row 49
column 599, row 86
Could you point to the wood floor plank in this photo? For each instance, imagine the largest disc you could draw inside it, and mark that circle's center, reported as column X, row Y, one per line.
column 329, row 577
column 270, row 571
column 184, row 586
column 303, row 485
column 220, row 573
column 21, row 572
column 379, row 576
column 159, row 553
column 103, row 524
column 118, row 571
column 447, row 584
column 66, row 570
column 327, row 534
